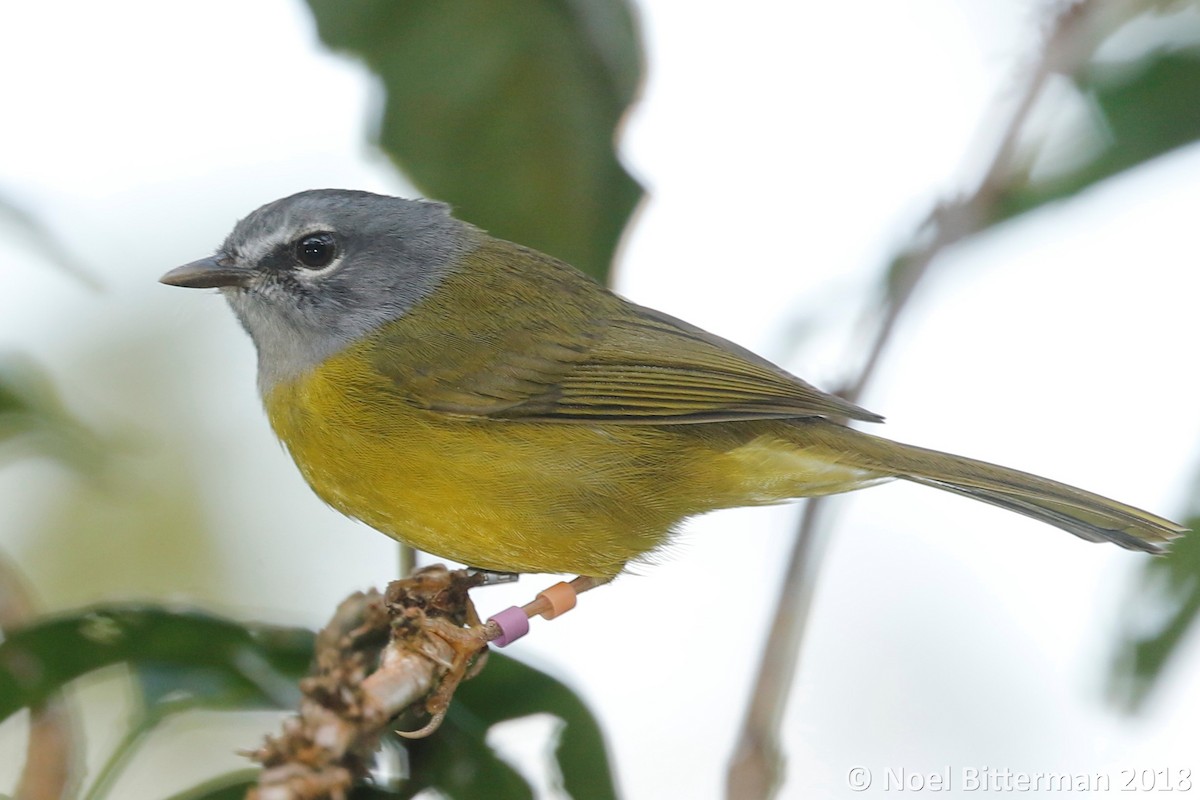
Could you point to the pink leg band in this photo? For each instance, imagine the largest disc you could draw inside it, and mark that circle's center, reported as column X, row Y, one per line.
column 513, row 624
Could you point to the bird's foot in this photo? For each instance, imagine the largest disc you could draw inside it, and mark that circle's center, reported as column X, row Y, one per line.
column 433, row 605
column 468, row 647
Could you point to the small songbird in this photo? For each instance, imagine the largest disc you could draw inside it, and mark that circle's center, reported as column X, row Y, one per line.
column 487, row 403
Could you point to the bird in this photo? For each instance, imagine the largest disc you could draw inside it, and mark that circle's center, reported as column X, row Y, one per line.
column 490, row 404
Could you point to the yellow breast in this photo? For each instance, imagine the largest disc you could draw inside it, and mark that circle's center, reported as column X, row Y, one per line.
column 516, row 497
column 523, row 496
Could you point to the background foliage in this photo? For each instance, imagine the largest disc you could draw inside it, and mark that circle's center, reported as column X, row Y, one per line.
column 509, row 111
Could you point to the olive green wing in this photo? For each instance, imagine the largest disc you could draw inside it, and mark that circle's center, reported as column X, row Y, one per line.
column 635, row 367
column 651, row 368
column 517, row 335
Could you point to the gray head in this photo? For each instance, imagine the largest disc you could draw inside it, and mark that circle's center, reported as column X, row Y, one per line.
column 310, row 274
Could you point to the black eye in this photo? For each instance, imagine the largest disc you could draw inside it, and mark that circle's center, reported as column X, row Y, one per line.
column 316, row 250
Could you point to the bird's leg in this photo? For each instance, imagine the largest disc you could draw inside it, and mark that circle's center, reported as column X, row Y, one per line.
column 487, row 577
column 445, row 612
column 512, row 623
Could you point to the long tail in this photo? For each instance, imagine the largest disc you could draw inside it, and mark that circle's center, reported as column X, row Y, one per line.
column 1087, row 515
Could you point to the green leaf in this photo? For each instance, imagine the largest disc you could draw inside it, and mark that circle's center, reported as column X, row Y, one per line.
column 189, row 659
column 507, row 689
column 368, row 792
column 507, row 109
column 458, row 762
column 1162, row 609
column 212, row 660
column 169, row 688
column 1142, row 110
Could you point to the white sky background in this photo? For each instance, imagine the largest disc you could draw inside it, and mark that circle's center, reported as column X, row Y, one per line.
column 787, row 147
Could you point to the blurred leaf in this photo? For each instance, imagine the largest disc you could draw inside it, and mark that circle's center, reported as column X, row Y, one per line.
column 1143, row 110
column 188, row 659
column 120, row 757
column 459, row 763
column 167, row 688
column 143, row 526
column 235, row 785
column 508, row 689
column 45, row 240
column 369, row 792
column 248, row 665
column 32, row 415
column 1168, row 593
column 507, row 109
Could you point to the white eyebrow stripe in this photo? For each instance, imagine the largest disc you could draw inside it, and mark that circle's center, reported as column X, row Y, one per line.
column 261, row 247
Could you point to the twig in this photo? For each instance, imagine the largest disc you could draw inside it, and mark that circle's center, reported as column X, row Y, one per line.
column 757, row 765
column 407, row 559
column 51, row 757
column 377, row 657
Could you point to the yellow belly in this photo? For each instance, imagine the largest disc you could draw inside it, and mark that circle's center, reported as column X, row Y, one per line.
column 523, row 496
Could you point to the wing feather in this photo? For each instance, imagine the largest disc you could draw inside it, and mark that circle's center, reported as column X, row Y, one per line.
column 585, row 356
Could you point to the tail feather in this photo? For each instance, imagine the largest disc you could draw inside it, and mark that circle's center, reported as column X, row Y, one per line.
column 1148, row 534
column 1085, row 514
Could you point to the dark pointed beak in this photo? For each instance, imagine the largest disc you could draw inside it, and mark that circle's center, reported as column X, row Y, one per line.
column 208, row 273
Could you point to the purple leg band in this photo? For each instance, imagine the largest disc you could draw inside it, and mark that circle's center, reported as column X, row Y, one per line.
column 513, row 625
